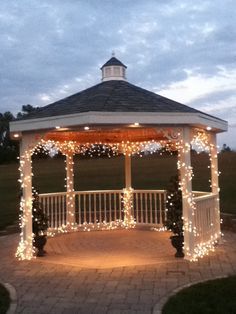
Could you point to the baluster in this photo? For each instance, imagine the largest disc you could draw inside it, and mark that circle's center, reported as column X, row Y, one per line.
column 84, row 209
column 120, row 206
column 115, row 196
column 136, row 206
column 146, row 207
column 150, row 203
column 110, row 209
column 141, row 203
column 79, row 208
column 105, row 207
column 95, row 207
column 100, row 208
column 64, row 209
column 160, row 208
column 164, row 205
column 90, row 216
column 155, row 207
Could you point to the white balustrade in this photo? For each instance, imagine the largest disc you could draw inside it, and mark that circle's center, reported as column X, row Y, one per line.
column 205, row 218
column 105, row 206
column 100, row 206
column 149, row 207
column 54, row 206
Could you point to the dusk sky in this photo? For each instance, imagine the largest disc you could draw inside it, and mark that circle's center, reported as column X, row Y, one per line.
column 184, row 50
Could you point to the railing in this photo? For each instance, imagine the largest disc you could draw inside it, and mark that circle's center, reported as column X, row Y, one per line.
column 205, row 218
column 54, row 206
column 105, row 206
column 98, row 206
column 149, row 206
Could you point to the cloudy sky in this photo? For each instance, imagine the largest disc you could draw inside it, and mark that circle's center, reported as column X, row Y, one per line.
column 182, row 49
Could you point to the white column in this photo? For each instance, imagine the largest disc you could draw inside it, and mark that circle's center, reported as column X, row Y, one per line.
column 25, row 247
column 215, row 181
column 128, row 193
column 185, row 169
column 70, row 196
column 127, row 171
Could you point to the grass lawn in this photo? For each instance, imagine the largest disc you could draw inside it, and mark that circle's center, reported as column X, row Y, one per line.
column 4, row 300
column 149, row 172
column 212, row 297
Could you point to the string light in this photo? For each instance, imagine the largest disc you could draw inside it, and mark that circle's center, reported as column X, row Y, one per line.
column 127, row 201
column 200, row 139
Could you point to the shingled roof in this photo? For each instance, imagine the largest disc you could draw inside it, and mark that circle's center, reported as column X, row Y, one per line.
column 111, row 96
column 113, row 61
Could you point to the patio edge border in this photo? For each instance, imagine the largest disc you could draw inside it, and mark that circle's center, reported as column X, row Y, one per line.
column 158, row 307
column 13, row 297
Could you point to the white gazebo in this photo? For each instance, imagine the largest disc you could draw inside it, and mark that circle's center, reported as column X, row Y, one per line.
column 117, row 117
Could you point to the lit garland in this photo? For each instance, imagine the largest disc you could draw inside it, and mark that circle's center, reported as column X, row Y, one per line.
column 201, row 141
column 25, row 249
column 70, row 195
column 184, row 149
column 127, row 201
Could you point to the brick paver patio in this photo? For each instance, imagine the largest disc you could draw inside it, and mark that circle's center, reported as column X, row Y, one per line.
column 122, row 271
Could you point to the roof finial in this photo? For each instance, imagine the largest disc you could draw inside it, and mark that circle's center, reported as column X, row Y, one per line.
column 113, row 53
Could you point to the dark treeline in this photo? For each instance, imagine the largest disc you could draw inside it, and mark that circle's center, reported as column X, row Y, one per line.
column 9, row 149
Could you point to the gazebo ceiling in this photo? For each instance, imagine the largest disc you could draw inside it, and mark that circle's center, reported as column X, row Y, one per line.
column 109, row 136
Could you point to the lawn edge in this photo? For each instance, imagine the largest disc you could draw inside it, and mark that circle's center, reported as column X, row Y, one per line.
column 13, row 297
column 158, row 307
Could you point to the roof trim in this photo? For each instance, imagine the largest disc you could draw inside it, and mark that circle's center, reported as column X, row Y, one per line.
column 196, row 119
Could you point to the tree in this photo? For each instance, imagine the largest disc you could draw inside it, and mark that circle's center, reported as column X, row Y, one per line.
column 225, row 148
column 25, row 110
column 9, row 149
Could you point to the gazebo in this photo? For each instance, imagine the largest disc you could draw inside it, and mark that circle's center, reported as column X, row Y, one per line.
column 116, row 117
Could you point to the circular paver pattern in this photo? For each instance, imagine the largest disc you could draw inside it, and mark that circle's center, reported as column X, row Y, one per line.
column 115, row 248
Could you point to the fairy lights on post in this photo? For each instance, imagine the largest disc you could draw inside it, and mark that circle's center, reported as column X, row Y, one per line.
column 215, row 182
column 185, row 170
column 70, row 195
column 25, row 248
column 128, row 192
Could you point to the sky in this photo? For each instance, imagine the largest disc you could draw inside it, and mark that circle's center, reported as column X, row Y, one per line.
column 182, row 49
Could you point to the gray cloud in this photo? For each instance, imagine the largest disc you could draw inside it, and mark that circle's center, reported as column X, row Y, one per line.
column 50, row 49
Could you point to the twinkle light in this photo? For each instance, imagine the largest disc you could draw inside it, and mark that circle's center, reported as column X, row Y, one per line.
column 200, row 139
column 127, row 201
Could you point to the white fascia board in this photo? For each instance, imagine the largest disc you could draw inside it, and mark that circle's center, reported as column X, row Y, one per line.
column 118, row 118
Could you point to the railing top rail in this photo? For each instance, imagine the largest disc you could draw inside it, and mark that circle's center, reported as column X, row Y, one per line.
column 52, row 194
column 199, row 197
column 98, row 192
column 149, row 191
column 200, row 193
column 204, row 197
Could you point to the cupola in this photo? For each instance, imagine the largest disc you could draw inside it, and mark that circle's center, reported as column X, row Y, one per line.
column 113, row 69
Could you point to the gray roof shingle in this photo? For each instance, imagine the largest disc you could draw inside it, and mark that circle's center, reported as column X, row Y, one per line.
column 113, row 61
column 111, row 96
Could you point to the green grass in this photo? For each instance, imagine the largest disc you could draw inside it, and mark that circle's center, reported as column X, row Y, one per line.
column 211, row 297
column 149, row 172
column 4, row 300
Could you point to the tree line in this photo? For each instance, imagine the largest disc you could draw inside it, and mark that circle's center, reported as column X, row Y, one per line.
column 9, row 149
